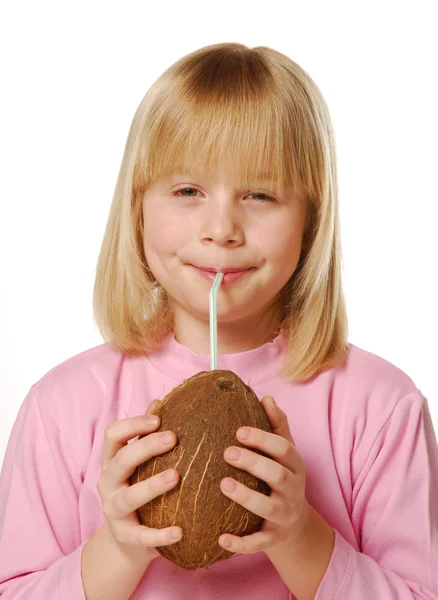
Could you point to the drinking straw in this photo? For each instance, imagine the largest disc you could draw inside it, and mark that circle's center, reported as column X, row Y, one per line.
column 213, row 319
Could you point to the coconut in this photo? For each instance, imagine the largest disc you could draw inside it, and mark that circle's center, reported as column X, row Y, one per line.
column 204, row 412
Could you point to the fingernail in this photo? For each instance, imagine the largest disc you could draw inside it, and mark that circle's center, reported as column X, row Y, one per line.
column 243, row 433
column 232, row 453
column 151, row 420
column 166, row 438
column 229, row 485
column 169, row 476
column 174, row 533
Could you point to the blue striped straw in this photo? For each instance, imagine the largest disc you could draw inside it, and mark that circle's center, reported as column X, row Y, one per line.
column 213, row 319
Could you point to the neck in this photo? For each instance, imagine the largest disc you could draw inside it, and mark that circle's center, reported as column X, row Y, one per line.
column 233, row 337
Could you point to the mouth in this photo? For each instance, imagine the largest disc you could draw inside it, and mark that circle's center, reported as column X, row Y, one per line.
column 231, row 274
column 224, row 269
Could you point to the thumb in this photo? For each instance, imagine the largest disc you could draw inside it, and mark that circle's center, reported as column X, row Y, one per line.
column 153, row 407
column 277, row 419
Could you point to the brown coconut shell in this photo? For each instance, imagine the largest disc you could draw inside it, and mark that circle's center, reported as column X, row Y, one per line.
column 204, row 412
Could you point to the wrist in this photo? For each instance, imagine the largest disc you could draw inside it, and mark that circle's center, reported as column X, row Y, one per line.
column 311, row 527
column 132, row 556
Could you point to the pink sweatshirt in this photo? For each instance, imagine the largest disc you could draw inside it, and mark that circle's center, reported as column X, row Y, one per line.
column 364, row 432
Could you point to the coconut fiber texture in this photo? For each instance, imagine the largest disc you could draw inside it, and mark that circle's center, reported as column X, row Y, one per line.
column 204, row 412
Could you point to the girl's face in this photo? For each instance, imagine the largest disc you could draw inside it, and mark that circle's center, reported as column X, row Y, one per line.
column 193, row 222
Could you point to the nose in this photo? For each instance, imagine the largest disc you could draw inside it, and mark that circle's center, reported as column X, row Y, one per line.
column 222, row 223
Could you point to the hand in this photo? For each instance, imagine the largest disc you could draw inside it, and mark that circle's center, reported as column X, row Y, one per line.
column 120, row 500
column 286, row 512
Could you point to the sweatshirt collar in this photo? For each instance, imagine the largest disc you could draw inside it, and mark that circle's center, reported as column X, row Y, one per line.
column 253, row 366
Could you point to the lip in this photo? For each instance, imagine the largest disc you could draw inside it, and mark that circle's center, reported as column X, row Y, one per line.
column 230, row 275
column 224, row 270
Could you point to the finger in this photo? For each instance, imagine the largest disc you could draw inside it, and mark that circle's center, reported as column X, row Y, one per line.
column 129, row 499
column 152, row 409
column 247, row 544
column 153, row 406
column 278, row 477
column 268, row 507
column 276, row 446
column 277, row 418
column 134, row 534
column 118, row 433
column 127, row 459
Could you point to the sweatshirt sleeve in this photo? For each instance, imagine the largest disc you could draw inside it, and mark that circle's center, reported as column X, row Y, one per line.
column 40, row 546
column 395, row 515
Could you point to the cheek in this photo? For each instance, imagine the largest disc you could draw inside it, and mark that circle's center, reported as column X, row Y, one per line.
column 283, row 242
column 156, row 222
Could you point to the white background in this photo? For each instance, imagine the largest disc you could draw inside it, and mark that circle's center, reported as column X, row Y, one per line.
column 72, row 77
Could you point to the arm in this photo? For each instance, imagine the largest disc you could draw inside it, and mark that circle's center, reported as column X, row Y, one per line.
column 303, row 565
column 395, row 514
column 106, row 572
column 41, row 552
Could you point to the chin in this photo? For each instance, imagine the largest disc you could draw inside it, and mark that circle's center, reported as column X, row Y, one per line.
column 223, row 315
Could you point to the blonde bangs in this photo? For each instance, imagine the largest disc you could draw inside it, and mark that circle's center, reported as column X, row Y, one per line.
column 230, row 115
column 252, row 114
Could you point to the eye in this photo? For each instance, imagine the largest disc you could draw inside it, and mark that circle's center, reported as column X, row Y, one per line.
column 267, row 198
column 184, row 190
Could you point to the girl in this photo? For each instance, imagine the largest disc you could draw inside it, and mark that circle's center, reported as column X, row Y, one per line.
column 229, row 166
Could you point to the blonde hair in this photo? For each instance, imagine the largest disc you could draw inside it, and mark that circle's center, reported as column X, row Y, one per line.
column 249, row 110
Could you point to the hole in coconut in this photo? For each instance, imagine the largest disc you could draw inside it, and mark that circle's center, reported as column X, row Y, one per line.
column 225, row 385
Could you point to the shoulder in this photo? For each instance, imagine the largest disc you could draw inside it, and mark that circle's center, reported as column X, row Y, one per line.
column 373, row 387
column 369, row 370
column 94, row 365
column 80, row 384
